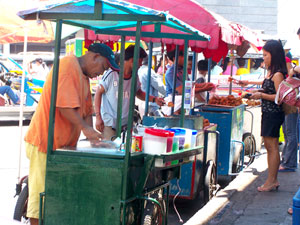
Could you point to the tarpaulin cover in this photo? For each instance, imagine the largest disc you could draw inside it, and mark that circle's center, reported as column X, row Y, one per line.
column 221, row 31
column 170, row 24
column 12, row 27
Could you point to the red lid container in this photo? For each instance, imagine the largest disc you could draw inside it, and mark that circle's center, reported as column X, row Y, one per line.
column 159, row 132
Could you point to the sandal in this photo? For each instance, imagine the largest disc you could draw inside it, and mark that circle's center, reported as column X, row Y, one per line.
column 273, row 187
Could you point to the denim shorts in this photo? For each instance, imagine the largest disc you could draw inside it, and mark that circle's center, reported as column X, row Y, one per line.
column 271, row 123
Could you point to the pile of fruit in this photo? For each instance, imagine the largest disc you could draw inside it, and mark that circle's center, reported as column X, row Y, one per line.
column 230, row 100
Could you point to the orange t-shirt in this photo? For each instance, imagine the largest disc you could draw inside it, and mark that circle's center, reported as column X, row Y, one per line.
column 73, row 91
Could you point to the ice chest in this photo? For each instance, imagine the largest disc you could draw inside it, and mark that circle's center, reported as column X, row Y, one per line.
column 296, row 208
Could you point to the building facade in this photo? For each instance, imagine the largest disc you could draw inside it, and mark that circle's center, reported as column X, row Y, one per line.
column 261, row 15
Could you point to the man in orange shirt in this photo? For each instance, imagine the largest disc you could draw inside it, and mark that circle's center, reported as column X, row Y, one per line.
column 73, row 114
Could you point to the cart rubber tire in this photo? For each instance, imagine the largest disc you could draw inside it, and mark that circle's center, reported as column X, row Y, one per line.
column 237, row 163
column 147, row 220
column 21, row 205
column 250, row 146
column 156, row 215
column 209, row 181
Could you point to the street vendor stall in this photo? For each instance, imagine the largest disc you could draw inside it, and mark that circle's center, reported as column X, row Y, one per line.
column 109, row 184
column 225, row 36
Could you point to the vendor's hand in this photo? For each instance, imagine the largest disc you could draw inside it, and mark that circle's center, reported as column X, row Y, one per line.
column 91, row 134
column 160, row 101
column 256, row 95
column 209, row 86
column 242, row 83
column 99, row 123
column 204, row 87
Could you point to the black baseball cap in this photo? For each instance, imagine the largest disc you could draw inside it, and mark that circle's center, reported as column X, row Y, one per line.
column 106, row 52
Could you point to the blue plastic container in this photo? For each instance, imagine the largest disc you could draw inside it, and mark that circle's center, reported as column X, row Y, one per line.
column 296, row 208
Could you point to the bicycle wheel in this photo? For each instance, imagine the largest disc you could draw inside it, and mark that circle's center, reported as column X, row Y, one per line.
column 21, row 205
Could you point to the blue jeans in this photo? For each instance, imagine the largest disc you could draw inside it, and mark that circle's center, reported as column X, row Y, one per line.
column 289, row 153
column 11, row 94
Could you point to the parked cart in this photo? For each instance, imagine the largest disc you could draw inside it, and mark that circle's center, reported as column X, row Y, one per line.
column 199, row 176
column 230, row 125
column 108, row 184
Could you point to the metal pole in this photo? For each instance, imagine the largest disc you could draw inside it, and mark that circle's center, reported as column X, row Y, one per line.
column 186, row 48
column 54, row 87
column 148, row 78
column 194, row 69
column 22, row 102
column 130, row 115
column 208, row 76
column 231, row 71
column 194, row 73
column 175, row 77
column 164, row 58
column 120, row 89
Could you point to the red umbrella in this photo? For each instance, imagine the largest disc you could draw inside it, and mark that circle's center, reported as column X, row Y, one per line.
column 224, row 34
column 13, row 28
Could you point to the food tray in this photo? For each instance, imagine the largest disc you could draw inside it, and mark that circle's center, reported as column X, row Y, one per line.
column 220, row 106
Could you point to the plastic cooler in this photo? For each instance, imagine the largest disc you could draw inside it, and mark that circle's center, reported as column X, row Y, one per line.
column 157, row 142
column 296, row 208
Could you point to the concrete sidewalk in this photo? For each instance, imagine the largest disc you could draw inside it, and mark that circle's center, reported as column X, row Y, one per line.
column 240, row 202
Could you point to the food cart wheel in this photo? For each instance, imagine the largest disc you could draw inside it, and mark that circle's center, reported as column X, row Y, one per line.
column 209, row 181
column 21, row 205
column 154, row 215
column 237, row 164
column 250, row 147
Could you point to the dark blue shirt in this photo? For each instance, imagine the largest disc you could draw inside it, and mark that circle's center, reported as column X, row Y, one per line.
column 169, row 79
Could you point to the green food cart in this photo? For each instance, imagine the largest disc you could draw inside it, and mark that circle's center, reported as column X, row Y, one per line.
column 106, row 185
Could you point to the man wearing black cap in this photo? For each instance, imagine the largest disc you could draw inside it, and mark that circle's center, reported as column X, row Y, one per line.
column 73, row 114
column 106, row 97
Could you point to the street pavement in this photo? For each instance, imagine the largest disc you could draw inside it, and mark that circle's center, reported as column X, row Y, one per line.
column 241, row 204
column 238, row 203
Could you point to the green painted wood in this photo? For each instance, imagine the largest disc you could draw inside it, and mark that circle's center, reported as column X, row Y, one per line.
column 186, row 48
column 78, row 48
column 54, row 87
column 148, row 78
column 120, row 90
column 98, row 15
column 152, row 35
column 157, row 27
column 89, row 16
column 174, row 77
column 130, row 115
column 83, row 191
